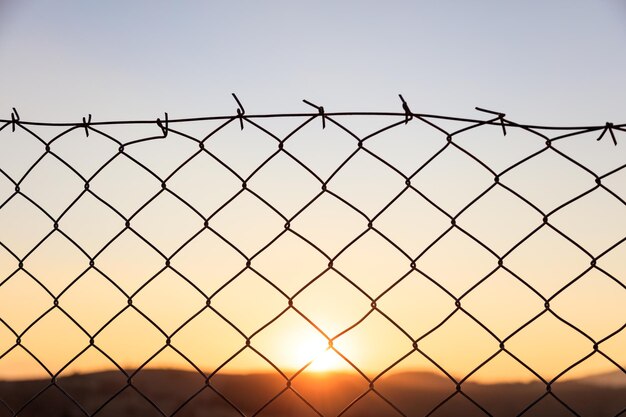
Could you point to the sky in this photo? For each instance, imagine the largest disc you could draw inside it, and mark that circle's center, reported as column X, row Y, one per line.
column 555, row 63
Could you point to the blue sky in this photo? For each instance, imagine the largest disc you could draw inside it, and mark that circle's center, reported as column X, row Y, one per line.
column 539, row 61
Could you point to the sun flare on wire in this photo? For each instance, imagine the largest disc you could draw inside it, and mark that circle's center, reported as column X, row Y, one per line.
column 315, row 351
column 327, row 361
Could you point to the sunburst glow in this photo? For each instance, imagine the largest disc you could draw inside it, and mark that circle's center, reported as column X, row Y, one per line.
column 314, row 350
column 326, row 361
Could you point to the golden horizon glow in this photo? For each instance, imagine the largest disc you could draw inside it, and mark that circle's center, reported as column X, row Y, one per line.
column 283, row 296
column 327, row 361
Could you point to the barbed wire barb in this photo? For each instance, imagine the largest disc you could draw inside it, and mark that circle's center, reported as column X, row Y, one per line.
column 608, row 128
column 501, row 117
column 320, row 110
column 85, row 124
column 408, row 115
column 163, row 126
column 15, row 118
column 240, row 110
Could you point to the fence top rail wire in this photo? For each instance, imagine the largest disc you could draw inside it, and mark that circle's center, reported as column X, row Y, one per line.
column 620, row 126
column 406, row 112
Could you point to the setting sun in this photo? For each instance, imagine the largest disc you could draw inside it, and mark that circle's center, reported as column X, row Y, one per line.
column 313, row 349
column 327, row 361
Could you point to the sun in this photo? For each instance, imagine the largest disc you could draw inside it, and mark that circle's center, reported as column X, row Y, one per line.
column 326, row 361
column 303, row 348
column 321, row 356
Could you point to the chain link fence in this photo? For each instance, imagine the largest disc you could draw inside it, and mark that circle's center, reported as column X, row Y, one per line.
column 461, row 237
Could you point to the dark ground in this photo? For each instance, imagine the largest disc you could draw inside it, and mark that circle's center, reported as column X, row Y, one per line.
column 415, row 393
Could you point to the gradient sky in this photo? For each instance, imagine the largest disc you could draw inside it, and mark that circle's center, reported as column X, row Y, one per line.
column 546, row 62
column 555, row 62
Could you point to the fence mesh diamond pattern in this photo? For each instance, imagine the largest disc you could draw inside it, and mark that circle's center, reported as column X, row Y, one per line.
column 464, row 246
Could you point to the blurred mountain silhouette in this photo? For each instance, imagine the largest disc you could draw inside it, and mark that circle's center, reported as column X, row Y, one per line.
column 414, row 393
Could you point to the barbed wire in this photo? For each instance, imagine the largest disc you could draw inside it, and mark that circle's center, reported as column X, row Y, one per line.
column 167, row 127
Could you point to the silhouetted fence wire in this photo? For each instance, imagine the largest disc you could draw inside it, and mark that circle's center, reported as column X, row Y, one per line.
column 450, row 138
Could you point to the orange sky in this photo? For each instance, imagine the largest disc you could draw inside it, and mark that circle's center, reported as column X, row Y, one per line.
column 502, row 303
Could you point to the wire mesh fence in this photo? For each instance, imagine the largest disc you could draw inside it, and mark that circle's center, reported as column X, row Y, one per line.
column 434, row 242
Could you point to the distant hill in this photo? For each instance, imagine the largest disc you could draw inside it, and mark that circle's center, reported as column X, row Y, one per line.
column 616, row 379
column 415, row 393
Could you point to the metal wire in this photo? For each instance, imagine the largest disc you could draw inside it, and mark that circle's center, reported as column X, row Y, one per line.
column 547, row 135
